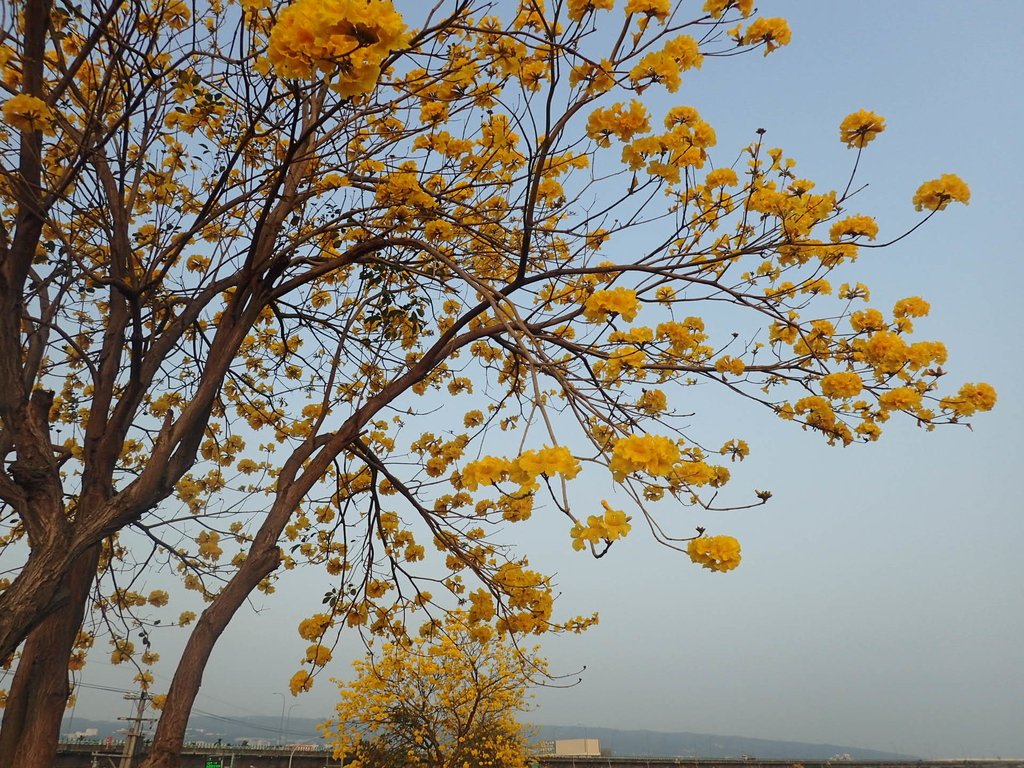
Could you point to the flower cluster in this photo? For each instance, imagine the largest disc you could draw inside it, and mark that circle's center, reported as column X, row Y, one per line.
column 659, row 9
column 717, row 8
column 717, row 553
column 841, row 385
column 524, row 469
column 860, row 128
column 664, row 66
column 616, row 301
column 654, row 454
column 970, row 399
column 854, row 226
column 773, row 32
column 579, row 8
column 618, row 121
column 936, row 194
column 348, row 39
column 27, row 113
column 612, row 525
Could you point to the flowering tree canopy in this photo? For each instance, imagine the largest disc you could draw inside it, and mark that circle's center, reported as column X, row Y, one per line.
column 250, row 250
column 448, row 699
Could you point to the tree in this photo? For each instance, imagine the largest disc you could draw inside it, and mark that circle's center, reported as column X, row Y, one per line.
column 446, row 700
column 248, row 249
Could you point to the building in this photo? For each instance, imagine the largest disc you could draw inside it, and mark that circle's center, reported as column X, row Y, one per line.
column 578, row 747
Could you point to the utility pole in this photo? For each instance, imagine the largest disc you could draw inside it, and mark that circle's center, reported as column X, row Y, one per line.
column 131, row 742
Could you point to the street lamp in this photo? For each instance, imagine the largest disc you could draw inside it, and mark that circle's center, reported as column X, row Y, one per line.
column 280, row 730
column 288, row 721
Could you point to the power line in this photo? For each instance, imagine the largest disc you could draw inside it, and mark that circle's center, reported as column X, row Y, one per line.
column 204, row 713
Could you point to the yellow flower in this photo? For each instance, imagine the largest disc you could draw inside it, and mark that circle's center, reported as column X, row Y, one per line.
column 737, row 449
column 485, row 471
column 546, row 461
column 716, row 8
column 854, row 226
column 659, row 9
column 318, row 655
column 481, row 606
column 841, row 385
column 579, row 8
column 773, row 32
column 867, row 320
column 900, row 399
column 728, row 364
column 885, row 351
column 860, row 128
column 653, row 454
column 603, row 123
column 209, row 546
column 938, row 193
column 314, row 627
column 721, row 177
column 970, row 399
column 717, row 553
column 616, row 301
column 123, row 650
column 348, row 39
column 652, row 401
column 27, row 113
column 300, row 682
column 615, row 523
column 913, row 306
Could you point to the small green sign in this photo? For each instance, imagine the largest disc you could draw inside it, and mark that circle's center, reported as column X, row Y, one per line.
column 214, row 762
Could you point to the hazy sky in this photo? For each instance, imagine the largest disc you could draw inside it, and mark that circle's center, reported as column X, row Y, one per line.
column 880, row 602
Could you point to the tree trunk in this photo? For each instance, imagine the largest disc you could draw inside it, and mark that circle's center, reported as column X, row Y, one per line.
column 165, row 751
column 39, row 691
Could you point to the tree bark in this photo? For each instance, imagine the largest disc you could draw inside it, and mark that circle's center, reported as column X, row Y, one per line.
column 40, row 689
column 165, row 751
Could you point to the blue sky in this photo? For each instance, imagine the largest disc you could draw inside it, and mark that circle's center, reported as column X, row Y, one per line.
column 881, row 598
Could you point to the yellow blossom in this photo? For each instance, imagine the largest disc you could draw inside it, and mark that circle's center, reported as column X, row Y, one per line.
column 579, row 8
column 301, row 681
column 314, row 627
column 485, row 471
column 854, row 226
column 936, row 194
column 861, row 127
column 716, row 8
column 773, row 32
column 717, row 553
column 841, row 385
column 970, row 399
column 347, row 39
column 901, row 399
column 653, row 454
column 318, row 655
column 721, row 177
column 729, row 364
column 27, row 113
column 659, row 9
column 913, row 306
column 618, row 121
column 615, row 301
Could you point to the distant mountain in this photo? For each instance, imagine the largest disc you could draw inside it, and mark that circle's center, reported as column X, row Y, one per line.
column 268, row 730
column 683, row 744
